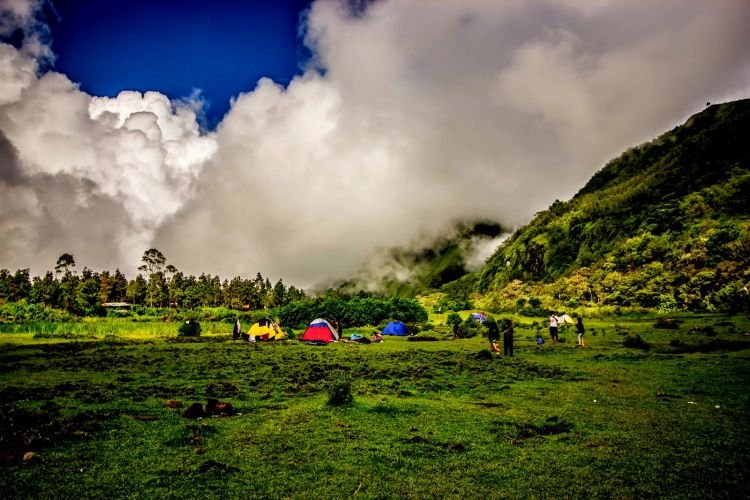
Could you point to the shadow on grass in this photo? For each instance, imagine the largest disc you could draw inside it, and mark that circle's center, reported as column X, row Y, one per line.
column 518, row 432
column 716, row 345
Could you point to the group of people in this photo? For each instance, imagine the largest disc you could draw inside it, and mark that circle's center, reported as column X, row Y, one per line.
column 493, row 334
column 553, row 329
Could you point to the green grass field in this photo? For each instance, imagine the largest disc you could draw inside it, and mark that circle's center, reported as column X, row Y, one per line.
column 428, row 419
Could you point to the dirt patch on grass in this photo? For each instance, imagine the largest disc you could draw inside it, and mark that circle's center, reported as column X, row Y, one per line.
column 23, row 430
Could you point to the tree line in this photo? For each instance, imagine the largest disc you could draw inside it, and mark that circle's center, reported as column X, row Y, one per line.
column 157, row 285
column 352, row 312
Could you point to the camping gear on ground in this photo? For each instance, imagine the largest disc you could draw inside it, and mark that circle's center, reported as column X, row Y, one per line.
column 480, row 317
column 396, row 328
column 320, row 330
column 266, row 329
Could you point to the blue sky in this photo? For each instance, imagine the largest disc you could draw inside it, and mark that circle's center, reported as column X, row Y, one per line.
column 175, row 46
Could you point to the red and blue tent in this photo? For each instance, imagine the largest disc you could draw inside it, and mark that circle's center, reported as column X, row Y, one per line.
column 320, row 330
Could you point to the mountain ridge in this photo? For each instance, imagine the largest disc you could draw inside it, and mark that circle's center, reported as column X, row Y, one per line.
column 680, row 201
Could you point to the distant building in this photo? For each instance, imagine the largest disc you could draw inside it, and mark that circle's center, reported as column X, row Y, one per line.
column 116, row 305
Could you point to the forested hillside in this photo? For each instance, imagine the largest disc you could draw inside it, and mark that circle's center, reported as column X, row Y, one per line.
column 666, row 225
column 408, row 272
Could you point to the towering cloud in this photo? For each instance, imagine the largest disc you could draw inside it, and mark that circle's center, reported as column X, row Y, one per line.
column 413, row 115
column 92, row 176
column 428, row 114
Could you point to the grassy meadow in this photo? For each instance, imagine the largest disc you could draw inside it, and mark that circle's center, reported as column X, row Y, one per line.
column 82, row 413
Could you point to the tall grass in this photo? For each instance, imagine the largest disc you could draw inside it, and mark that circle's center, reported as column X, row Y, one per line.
column 102, row 327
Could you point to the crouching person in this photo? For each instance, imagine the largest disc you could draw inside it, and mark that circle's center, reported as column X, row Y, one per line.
column 493, row 335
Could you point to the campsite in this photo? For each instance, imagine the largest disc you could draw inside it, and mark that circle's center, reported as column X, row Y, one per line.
column 441, row 418
column 391, row 249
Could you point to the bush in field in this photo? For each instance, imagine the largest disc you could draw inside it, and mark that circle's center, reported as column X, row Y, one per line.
column 456, row 324
column 340, row 393
column 635, row 342
column 453, row 319
column 468, row 329
column 189, row 328
column 445, row 304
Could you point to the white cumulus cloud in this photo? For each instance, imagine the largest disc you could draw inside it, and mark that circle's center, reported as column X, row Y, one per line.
column 413, row 116
column 93, row 176
column 424, row 114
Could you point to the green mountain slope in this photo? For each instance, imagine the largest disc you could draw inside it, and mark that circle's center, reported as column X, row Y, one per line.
column 665, row 225
column 407, row 272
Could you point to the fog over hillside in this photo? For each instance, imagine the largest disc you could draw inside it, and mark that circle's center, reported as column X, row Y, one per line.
column 412, row 116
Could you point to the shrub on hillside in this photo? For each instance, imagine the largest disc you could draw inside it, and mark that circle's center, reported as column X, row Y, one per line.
column 445, row 304
column 454, row 319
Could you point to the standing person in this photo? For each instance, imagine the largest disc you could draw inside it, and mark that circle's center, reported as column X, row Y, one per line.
column 580, row 330
column 237, row 331
column 553, row 327
column 493, row 335
column 508, row 338
column 340, row 328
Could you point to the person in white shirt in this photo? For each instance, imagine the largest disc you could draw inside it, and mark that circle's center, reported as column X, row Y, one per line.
column 553, row 327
